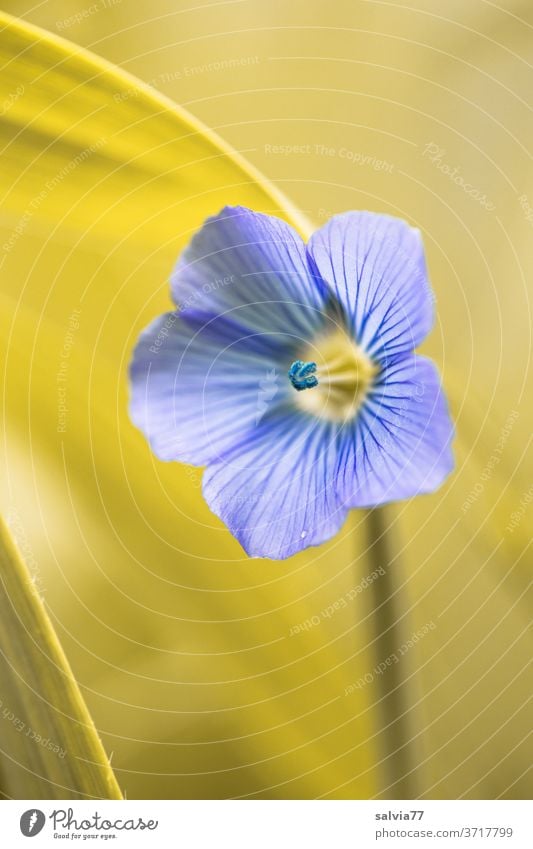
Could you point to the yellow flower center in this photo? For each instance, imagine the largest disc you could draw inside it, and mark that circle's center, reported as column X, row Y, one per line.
column 344, row 374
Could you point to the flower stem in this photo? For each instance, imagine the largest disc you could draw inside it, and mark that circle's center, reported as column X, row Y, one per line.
column 394, row 690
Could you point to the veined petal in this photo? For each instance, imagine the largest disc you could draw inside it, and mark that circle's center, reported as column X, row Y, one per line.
column 240, row 258
column 375, row 266
column 200, row 382
column 400, row 443
column 275, row 491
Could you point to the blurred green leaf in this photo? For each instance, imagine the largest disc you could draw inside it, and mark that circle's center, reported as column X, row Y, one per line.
column 50, row 747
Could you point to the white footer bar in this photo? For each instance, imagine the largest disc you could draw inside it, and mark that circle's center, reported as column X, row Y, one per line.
column 268, row 824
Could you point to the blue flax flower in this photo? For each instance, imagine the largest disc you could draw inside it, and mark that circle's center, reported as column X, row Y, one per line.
column 288, row 370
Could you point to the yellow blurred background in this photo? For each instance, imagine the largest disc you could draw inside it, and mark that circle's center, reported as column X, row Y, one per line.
column 182, row 646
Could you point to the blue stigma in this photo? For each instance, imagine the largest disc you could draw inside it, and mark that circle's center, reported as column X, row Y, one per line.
column 302, row 375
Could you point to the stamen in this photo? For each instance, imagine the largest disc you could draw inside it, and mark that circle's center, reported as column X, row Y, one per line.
column 342, row 371
column 302, row 375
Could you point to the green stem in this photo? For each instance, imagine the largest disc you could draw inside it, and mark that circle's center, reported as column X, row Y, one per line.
column 394, row 691
column 49, row 746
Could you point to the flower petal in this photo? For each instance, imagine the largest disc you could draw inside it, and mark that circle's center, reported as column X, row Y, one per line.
column 199, row 383
column 375, row 266
column 240, row 258
column 400, row 443
column 275, row 491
